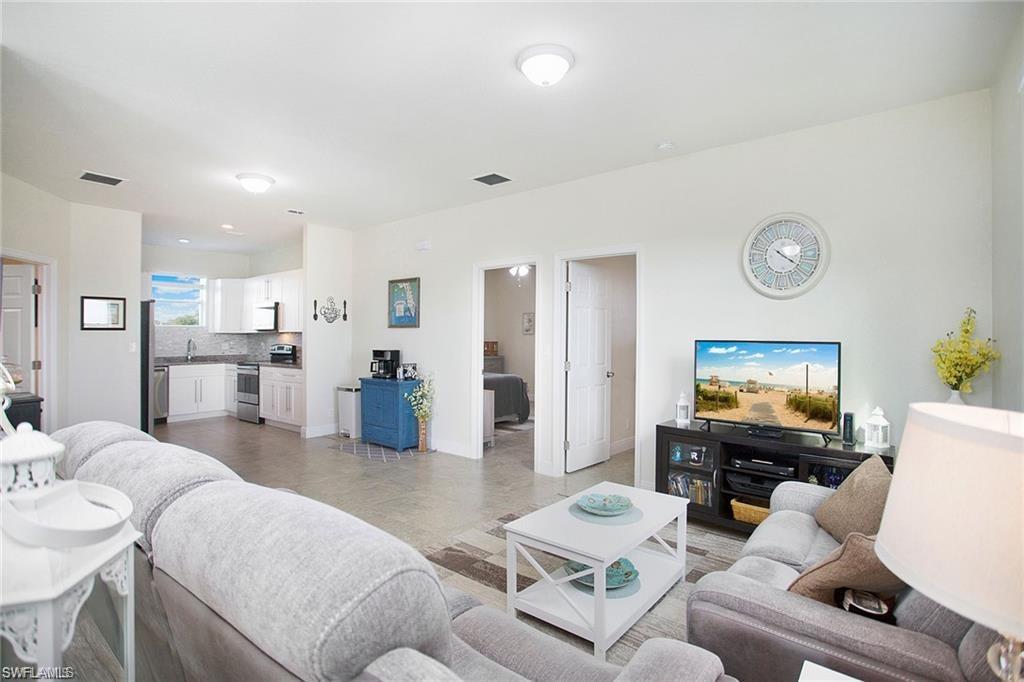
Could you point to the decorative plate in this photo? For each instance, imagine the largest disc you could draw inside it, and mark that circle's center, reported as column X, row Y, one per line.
column 619, row 574
column 605, row 505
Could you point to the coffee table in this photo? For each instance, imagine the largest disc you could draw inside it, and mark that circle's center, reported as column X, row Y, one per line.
column 599, row 615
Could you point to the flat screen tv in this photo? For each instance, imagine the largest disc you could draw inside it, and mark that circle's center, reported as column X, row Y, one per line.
column 790, row 385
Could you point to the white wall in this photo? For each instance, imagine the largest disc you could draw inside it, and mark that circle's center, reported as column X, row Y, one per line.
column 504, row 305
column 905, row 197
column 327, row 350
column 1008, row 227
column 288, row 257
column 621, row 274
column 213, row 264
column 104, row 369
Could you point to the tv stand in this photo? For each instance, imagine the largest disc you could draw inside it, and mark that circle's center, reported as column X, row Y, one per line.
column 714, row 464
column 764, row 432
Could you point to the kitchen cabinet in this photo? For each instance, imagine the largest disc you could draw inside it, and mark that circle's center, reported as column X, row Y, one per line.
column 231, row 301
column 226, row 307
column 283, row 395
column 231, row 388
column 290, row 310
column 196, row 391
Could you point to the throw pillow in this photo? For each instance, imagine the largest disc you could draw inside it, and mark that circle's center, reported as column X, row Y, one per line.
column 853, row 565
column 858, row 502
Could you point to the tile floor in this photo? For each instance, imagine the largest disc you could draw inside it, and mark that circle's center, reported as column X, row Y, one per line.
column 422, row 500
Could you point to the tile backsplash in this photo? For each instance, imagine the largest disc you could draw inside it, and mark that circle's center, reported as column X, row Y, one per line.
column 171, row 342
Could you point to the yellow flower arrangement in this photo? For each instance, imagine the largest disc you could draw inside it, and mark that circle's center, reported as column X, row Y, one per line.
column 961, row 357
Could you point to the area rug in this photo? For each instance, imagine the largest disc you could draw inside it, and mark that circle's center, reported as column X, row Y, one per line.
column 374, row 452
column 474, row 561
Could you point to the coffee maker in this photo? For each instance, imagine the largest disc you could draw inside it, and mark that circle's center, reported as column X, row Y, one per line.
column 385, row 363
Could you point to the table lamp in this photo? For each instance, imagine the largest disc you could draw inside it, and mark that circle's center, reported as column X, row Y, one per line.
column 953, row 527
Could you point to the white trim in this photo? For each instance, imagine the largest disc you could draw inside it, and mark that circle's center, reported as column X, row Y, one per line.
column 49, row 335
column 623, row 444
column 558, row 349
column 197, row 415
column 476, row 406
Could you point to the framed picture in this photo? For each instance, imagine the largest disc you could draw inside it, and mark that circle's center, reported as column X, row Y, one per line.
column 528, row 324
column 404, row 302
column 102, row 313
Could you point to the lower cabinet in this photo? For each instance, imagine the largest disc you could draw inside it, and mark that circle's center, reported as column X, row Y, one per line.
column 283, row 395
column 231, row 389
column 196, row 390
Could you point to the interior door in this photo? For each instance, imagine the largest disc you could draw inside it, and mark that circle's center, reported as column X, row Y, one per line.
column 588, row 379
column 18, row 321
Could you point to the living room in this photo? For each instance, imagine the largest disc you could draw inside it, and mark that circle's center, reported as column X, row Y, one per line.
column 671, row 133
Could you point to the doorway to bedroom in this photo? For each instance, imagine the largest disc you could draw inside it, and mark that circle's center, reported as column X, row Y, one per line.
column 509, row 363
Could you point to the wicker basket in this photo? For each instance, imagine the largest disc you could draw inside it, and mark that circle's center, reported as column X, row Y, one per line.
column 747, row 512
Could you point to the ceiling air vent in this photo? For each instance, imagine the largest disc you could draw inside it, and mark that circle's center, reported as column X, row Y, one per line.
column 296, row 211
column 492, row 179
column 101, row 179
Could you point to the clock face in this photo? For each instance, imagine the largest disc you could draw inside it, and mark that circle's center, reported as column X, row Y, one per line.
column 785, row 256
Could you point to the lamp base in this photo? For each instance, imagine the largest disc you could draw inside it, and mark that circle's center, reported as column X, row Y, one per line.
column 1006, row 658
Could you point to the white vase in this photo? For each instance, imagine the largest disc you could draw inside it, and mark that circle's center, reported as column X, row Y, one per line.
column 954, row 398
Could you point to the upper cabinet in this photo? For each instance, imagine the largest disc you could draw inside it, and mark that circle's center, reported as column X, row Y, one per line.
column 232, row 301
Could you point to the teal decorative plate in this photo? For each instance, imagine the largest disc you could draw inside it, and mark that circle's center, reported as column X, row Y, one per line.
column 605, row 505
column 619, row 574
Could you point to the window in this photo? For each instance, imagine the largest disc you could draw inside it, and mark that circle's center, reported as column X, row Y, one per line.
column 179, row 300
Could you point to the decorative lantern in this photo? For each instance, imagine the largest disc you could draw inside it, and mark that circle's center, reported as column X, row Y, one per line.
column 682, row 410
column 876, row 431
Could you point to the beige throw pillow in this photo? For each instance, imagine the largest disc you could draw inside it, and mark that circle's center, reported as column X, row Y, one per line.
column 853, row 565
column 858, row 503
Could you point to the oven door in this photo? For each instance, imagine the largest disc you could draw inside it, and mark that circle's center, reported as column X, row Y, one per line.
column 248, row 388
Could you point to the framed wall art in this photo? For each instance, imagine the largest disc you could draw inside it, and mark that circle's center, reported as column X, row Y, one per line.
column 404, row 303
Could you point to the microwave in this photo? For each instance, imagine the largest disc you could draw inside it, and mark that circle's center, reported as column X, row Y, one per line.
column 264, row 318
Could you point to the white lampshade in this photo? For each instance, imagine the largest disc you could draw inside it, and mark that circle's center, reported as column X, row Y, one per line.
column 953, row 526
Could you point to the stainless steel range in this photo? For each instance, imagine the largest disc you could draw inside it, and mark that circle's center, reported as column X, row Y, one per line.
column 248, row 400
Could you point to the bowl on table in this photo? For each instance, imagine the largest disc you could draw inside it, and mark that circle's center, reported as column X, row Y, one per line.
column 604, row 505
column 621, row 573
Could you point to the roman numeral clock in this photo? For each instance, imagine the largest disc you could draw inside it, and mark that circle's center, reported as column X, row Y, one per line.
column 785, row 255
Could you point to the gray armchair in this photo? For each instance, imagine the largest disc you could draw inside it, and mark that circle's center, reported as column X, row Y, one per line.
column 762, row 631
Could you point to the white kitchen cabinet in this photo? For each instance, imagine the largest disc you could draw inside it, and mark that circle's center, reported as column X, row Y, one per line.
column 196, row 391
column 226, row 306
column 290, row 285
column 231, row 388
column 283, row 395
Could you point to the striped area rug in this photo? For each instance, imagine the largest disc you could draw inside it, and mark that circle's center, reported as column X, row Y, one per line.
column 474, row 561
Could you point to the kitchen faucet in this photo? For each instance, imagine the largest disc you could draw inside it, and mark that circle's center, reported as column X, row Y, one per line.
column 190, row 348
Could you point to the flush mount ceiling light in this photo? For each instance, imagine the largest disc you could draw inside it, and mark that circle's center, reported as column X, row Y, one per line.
column 255, row 182
column 184, row 241
column 545, row 65
column 228, row 227
column 665, row 146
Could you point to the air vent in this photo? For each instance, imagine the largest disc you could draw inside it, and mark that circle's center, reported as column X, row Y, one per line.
column 101, row 179
column 295, row 211
column 492, row 179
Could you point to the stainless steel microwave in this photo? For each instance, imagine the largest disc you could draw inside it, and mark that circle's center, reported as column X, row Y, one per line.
column 264, row 317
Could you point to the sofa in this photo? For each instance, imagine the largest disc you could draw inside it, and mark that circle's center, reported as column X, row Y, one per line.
column 762, row 631
column 236, row 581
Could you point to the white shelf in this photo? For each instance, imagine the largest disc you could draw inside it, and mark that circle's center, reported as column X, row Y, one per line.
column 658, row 573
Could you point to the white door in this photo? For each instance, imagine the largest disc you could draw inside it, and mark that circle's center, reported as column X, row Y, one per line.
column 18, row 323
column 182, row 396
column 588, row 386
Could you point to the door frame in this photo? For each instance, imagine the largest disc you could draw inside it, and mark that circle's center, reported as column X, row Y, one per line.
column 48, row 334
column 558, row 347
column 476, row 403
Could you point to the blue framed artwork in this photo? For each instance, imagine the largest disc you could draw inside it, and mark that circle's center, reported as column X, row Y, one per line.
column 404, row 302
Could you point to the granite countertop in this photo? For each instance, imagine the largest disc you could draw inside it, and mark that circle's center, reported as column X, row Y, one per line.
column 223, row 360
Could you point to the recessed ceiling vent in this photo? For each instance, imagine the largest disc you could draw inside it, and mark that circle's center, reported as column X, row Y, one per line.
column 101, row 179
column 492, row 179
column 296, row 211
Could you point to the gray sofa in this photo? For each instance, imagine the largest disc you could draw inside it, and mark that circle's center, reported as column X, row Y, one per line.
column 235, row 581
column 761, row 631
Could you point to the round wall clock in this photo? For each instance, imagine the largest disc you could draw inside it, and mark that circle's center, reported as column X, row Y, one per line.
column 785, row 255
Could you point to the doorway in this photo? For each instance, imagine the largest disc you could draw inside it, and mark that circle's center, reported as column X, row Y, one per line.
column 509, row 362
column 600, row 404
column 28, row 327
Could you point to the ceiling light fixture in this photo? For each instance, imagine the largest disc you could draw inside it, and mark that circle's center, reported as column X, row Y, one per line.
column 184, row 241
column 255, row 182
column 665, row 146
column 545, row 65
column 228, row 227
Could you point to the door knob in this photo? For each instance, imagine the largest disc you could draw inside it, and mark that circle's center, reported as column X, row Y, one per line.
column 609, row 374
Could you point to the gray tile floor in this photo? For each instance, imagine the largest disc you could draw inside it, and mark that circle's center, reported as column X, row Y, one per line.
column 422, row 499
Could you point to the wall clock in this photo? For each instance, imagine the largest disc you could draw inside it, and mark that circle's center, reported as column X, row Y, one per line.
column 785, row 255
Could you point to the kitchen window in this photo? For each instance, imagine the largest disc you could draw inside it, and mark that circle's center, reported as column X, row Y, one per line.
column 180, row 300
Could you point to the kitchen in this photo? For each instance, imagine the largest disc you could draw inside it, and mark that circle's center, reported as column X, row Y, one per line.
column 222, row 345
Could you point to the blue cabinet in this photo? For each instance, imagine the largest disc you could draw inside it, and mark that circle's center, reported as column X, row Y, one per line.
column 387, row 416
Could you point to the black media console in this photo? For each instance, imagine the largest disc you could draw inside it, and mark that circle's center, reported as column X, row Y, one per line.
column 715, row 465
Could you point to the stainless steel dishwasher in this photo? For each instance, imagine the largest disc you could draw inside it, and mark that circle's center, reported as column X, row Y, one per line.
column 161, row 386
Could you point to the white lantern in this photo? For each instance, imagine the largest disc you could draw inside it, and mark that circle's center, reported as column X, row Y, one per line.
column 876, row 431
column 682, row 410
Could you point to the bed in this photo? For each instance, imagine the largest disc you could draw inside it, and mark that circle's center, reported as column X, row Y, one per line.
column 510, row 398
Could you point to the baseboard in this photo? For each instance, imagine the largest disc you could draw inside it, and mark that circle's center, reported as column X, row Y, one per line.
column 449, row 448
column 623, row 444
column 318, row 431
column 193, row 417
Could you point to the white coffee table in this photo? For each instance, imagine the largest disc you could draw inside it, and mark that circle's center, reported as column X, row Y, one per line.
column 597, row 543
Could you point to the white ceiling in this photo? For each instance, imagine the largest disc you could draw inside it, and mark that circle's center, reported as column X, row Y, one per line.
column 367, row 113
